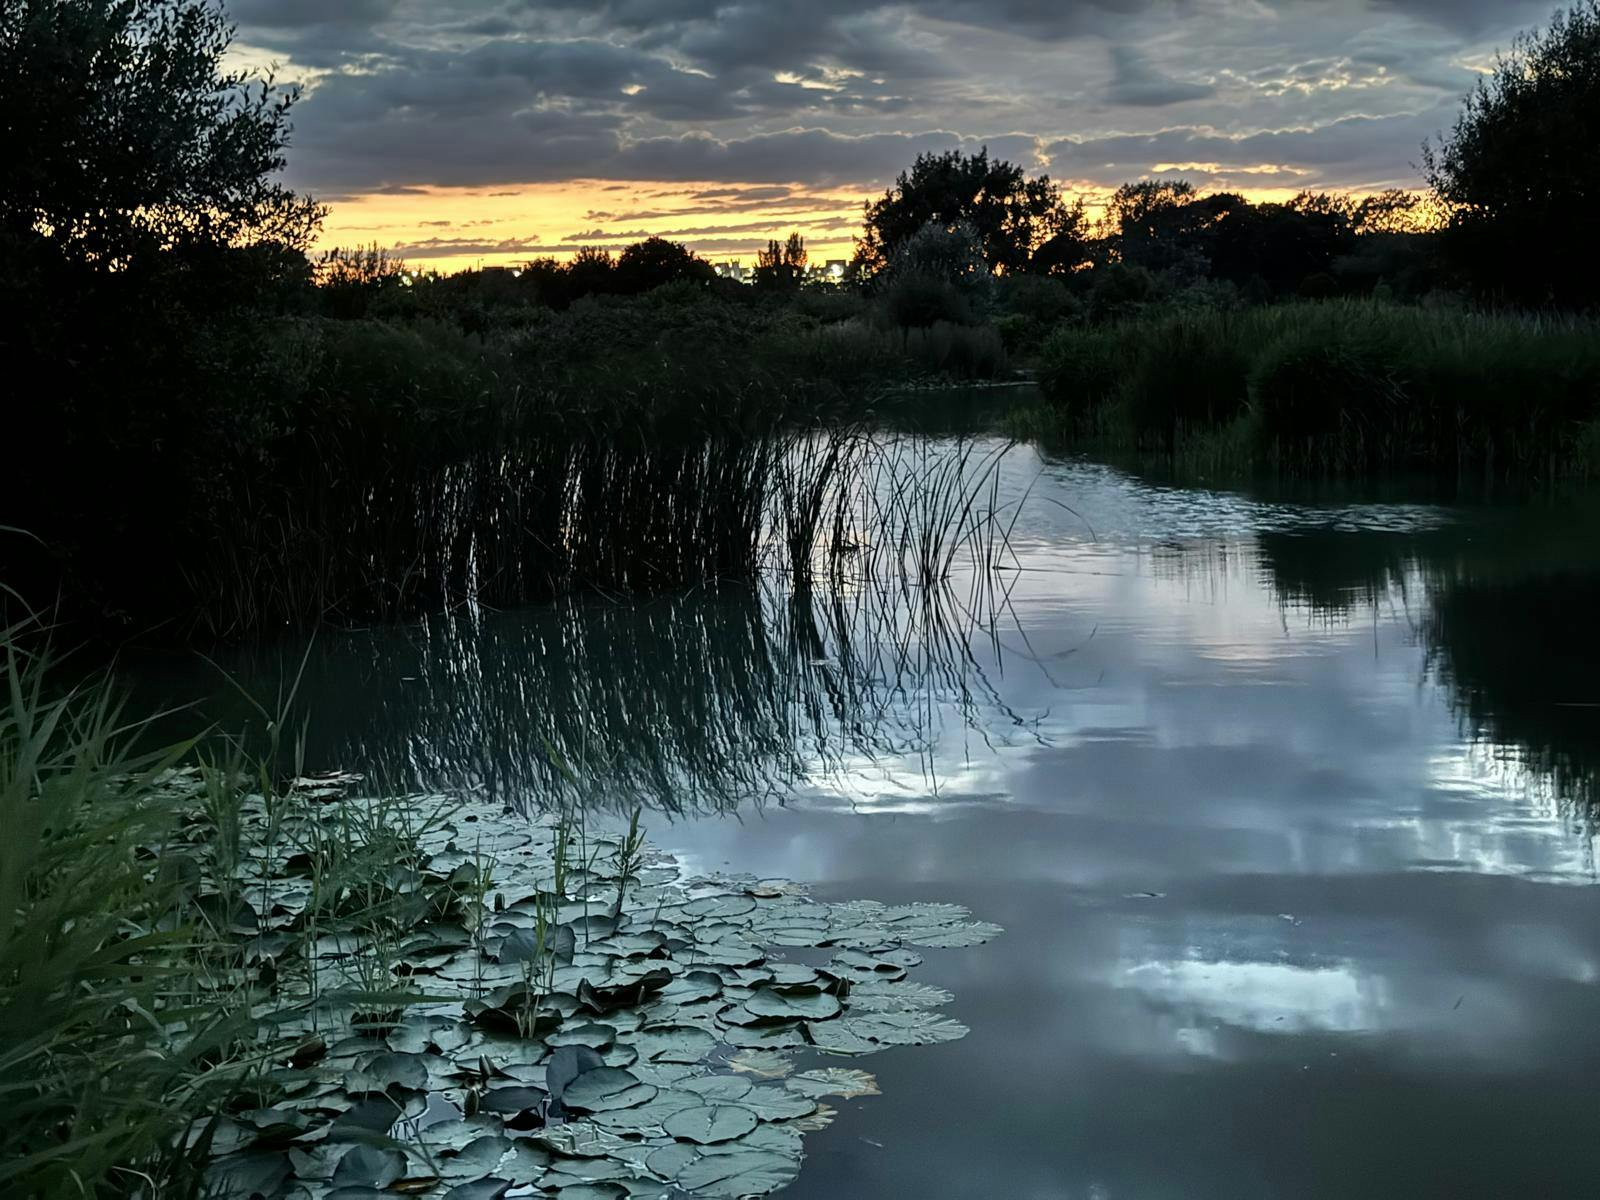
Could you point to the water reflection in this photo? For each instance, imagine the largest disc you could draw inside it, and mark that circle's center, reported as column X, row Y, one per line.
column 1287, row 803
column 699, row 702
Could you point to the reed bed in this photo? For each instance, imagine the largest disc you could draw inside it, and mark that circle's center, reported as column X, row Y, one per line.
column 1335, row 387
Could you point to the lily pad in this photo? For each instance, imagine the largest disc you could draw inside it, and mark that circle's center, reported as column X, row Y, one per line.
column 674, row 1044
column 710, row 1123
column 606, row 1088
column 368, row 1166
column 748, row 1173
column 871, row 1032
column 790, row 1003
column 842, row 1082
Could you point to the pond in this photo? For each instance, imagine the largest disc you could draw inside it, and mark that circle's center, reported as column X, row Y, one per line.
column 1286, row 802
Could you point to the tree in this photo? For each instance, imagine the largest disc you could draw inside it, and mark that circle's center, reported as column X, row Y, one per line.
column 1520, row 173
column 656, row 261
column 1011, row 214
column 124, row 135
column 1164, row 225
column 782, row 265
column 1282, row 245
column 1070, row 248
column 591, row 271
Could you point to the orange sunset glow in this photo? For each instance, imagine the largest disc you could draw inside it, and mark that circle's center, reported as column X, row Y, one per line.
column 451, row 229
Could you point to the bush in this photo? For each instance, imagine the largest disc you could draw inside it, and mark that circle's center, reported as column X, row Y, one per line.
column 1330, row 394
column 916, row 300
column 1339, row 385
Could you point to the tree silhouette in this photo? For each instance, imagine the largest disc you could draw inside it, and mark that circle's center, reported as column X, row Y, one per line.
column 124, row 135
column 1520, row 173
column 656, row 261
column 1012, row 215
column 782, row 265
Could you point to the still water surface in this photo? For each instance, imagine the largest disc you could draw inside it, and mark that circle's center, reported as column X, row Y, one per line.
column 1286, row 803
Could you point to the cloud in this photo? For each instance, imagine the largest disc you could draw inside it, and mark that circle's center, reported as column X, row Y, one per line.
column 840, row 93
column 1355, row 150
column 1139, row 85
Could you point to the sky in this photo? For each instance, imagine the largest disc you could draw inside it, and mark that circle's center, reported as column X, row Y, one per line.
column 467, row 132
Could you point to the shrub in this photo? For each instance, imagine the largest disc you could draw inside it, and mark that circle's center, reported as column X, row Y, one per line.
column 915, row 299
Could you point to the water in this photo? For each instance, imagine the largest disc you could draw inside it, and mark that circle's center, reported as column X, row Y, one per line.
column 1286, row 803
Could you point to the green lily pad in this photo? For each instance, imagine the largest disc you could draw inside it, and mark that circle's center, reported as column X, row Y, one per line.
column 368, row 1166
column 873, row 995
column 871, row 1032
column 842, row 1082
column 748, row 1173
column 710, row 1123
column 606, row 1088
column 793, row 1003
column 674, row 1044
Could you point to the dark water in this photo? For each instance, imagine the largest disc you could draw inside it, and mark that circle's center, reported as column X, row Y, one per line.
column 1287, row 805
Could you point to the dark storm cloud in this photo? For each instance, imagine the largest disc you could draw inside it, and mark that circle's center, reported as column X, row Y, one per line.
column 1361, row 149
column 303, row 14
column 1139, row 85
column 832, row 93
column 1472, row 16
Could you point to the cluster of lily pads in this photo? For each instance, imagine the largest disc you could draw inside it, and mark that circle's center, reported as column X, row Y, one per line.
column 518, row 1008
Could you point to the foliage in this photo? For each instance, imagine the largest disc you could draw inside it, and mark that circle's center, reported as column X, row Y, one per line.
column 1337, row 386
column 782, row 265
column 656, row 262
column 125, row 135
column 1517, row 174
column 1010, row 215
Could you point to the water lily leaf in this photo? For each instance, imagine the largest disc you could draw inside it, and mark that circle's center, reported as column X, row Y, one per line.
column 788, row 1035
column 651, row 1114
column 512, row 1101
column 802, row 1002
column 522, row 945
column 950, row 937
column 418, row 1035
column 871, row 1032
column 526, row 1163
column 718, row 1088
column 245, row 1176
column 666, row 1161
column 569, row 1172
column 368, row 1166
column 875, row 995
column 674, row 1044
column 480, row 1189
column 602, row 1000
column 385, row 1071
column 777, row 1104
column 719, row 908
column 606, row 1088
column 842, row 1082
column 764, row 1064
column 664, row 1075
column 580, row 1140
column 748, row 1173
column 375, row 1114
column 596, row 1037
column 859, row 964
column 593, row 1191
column 710, row 1123
column 474, row 1161
column 727, row 952
column 817, row 1121
column 633, row 945
column 901, row 957
column 693, row 985
column 566, row 1064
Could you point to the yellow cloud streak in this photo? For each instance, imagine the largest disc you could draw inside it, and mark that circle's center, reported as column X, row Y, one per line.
column 450, row 229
